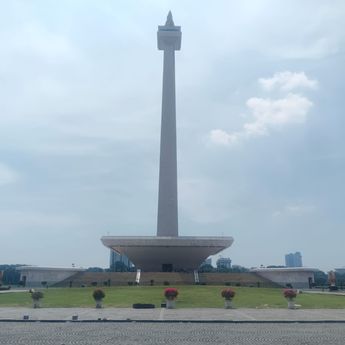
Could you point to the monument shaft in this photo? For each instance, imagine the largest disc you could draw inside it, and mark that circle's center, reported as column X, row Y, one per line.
column 169, row 40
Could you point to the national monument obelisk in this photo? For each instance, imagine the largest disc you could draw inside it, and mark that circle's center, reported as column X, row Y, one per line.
column 167, row 251
column 169, row 40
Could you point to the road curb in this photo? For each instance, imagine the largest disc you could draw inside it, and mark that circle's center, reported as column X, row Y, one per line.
column 177, row 321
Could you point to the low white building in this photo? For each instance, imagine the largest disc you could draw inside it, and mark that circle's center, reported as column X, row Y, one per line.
column 33, row 276
column 298, row 277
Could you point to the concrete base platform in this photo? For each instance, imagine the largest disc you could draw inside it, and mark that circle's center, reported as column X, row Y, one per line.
column 160, row 253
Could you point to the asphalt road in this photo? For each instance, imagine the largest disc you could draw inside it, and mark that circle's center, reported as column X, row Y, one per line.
column 66, row 333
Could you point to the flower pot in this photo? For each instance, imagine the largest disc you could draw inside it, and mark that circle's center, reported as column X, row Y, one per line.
column 291, row 303
column 99, row 304
column 228, row 304
column 170, row 304
column 36, row 304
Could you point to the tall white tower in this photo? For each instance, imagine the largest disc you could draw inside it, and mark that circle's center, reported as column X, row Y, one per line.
column 169, row 40
column 167, row 251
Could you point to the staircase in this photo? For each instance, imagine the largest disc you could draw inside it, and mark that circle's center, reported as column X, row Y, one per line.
column 196, row 277
column 236, row 279
column 100, row 278
column 137, row 277
column 164, row 278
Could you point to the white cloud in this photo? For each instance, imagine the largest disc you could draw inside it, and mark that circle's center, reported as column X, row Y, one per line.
column 291, row 109
column 295, row 210
column 288, row 81
column 221, row 137
column 7, row 175
column 269, row 114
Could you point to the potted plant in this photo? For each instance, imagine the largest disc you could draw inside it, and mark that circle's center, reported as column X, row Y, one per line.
column 98, row 296
column 170, row 296
column 228, row 295
column 36, row 298
column 290, row 295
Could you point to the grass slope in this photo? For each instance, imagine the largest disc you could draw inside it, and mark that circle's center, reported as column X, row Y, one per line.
column 189, row 297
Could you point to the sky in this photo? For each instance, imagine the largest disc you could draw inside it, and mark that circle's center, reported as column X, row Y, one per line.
column 260, row 122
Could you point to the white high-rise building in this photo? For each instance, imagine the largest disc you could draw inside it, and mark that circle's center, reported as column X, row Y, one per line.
column 223, row 263
column 293, row 260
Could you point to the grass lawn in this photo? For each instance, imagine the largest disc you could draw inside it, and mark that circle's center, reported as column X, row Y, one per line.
column 189, row 297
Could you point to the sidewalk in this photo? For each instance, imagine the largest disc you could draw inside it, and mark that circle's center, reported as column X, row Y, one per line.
column 182, row 315
column 326, row 292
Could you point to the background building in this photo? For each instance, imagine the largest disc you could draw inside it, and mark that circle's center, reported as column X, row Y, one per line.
column 293, row 260
column 297, row 277
column 223, row 263
column 340, row 270
column 118, row 262
column 35, row 276
column 207, row 262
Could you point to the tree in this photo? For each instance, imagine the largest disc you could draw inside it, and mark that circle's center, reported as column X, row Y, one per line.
column 320, row 278
column 207, row 268
column 95, row 269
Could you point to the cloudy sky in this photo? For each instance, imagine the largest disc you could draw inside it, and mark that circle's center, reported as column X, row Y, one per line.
column 260, row 117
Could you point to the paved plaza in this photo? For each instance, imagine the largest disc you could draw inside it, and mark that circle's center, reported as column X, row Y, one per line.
column 178, row 326
column 183, row 314
column 66, row 333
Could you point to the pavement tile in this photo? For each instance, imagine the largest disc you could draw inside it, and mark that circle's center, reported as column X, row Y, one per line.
column 185, row 314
